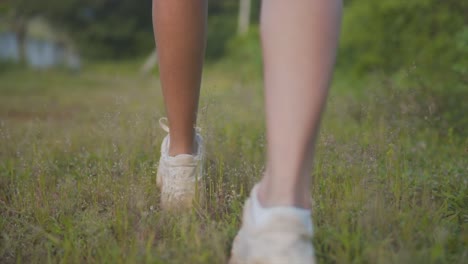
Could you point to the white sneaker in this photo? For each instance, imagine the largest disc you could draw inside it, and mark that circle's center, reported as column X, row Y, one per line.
column 180, row 177
column 282, row 235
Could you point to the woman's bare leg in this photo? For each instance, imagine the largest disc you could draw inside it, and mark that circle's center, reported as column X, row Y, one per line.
column 299, row 40
column 179, row 29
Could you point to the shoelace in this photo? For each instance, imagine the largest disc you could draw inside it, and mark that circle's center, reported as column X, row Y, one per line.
column 163, row 123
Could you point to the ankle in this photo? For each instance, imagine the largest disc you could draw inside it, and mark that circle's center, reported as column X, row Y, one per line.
column 177, row 148
column 269, row 196
column 262, row 214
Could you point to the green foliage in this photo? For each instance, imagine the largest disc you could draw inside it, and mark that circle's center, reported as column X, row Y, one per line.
column 461, row 67
column 423, row 45
column 109, row 29
column 389, row 35
column 221, row 28
column 246, row 51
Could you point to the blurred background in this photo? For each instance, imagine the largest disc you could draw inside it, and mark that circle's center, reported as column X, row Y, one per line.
column 386, row 36
column 79, row 137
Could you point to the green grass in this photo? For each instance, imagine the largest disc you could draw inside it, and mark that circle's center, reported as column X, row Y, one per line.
column 78, row 155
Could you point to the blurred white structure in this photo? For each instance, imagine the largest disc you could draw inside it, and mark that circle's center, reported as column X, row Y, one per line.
column 9, row 49
column 43, row 47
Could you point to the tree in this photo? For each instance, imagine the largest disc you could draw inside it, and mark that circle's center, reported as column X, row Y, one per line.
column 244, row 17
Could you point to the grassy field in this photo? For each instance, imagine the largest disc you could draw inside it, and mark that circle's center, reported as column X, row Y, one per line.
column 78, row 155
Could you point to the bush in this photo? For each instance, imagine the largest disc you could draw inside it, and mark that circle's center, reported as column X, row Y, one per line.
column 246, row 51
column 461, row 67
column 388, row 35
column 221, row 28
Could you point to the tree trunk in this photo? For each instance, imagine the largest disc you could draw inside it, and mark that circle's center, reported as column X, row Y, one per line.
column 244, row 17
column 19, row 28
